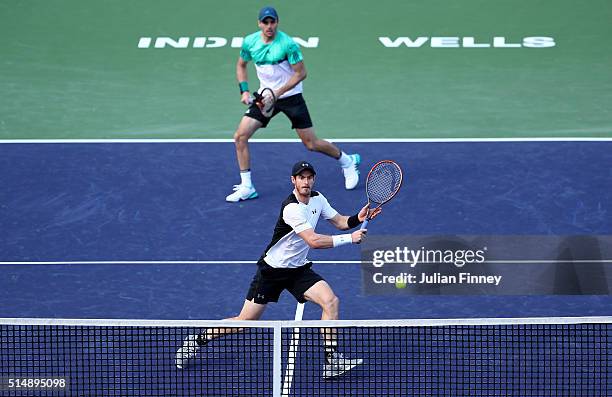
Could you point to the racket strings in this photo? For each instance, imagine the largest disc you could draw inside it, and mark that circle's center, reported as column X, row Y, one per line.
column 383, row 182
column 267, row 100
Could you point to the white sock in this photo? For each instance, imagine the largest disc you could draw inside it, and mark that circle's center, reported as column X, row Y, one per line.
column 345, row 160
column 245, row 178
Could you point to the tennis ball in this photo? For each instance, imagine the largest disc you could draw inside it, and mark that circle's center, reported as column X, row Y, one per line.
column 400, row 284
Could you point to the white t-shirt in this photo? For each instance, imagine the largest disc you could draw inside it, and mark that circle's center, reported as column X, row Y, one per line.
column 287, row 249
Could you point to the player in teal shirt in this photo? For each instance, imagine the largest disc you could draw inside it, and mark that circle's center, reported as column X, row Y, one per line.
column 280, row 67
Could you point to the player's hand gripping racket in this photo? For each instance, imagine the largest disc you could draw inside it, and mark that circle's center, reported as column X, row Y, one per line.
column 265, row 101
column 382, row 184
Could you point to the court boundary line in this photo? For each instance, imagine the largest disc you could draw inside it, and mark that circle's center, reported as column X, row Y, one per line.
column 296, row 140
column 250, row 262
column 292, row 352
column 175, row 262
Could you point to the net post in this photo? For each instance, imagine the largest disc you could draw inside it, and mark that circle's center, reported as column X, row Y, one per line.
column 276, row 361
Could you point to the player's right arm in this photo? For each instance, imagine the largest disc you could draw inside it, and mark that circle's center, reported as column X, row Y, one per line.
column 321, row 241
column 298, row 76
column 297, row 217
column 242, row 76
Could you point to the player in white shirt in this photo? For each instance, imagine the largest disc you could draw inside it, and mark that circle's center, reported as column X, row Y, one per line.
column 280, row 66
column 284, row 265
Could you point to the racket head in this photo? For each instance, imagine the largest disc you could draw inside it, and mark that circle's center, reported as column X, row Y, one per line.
column 265, row 100
column 383, row 182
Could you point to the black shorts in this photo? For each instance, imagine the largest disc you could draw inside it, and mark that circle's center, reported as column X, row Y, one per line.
column 294, row 108
column 269, row 282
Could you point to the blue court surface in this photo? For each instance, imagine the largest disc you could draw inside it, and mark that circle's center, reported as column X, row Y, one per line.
column 141, row 230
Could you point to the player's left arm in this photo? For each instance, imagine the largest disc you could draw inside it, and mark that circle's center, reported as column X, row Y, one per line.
column 243, row 78
column 345, row 222
column 296, row 60
column 298, row 76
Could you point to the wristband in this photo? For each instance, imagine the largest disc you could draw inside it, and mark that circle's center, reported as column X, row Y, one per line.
column 353, row 221
column 244, row 86
column 342, row 239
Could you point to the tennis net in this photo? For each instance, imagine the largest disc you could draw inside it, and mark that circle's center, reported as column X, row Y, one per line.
column 456, row 357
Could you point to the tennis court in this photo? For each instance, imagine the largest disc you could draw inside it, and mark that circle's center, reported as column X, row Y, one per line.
column 116, row 156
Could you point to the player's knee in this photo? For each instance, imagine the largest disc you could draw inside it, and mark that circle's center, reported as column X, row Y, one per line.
column 240, row 137
column 310, row 144
column 332, row 304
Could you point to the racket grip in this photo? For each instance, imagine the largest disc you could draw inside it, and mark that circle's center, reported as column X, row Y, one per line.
column 364, row 224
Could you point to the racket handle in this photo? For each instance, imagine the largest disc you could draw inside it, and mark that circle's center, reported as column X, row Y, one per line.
column 364, row 224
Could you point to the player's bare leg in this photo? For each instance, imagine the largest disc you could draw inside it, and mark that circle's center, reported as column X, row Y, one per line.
column 250, row 311
column 314, row 143
column 245, row 190
column 335, row 362
column 191, row 345
column 349, row 163
column 322, row 294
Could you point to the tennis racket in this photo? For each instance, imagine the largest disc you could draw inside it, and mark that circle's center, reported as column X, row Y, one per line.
column 382, row 184
column 265, row 101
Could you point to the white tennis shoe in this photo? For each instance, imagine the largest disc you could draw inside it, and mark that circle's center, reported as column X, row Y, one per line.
column 242, row 192
column 351, row 173
column 336, row 365
column 187, row 352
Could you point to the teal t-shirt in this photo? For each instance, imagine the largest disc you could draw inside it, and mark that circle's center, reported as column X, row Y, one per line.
column 273, row 61
column 282, row 48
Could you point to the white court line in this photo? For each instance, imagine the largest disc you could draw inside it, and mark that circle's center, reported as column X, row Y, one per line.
column 238, row 262
column 292, row 353
column 277, row 356
column 340, row 140
column 154, row 262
